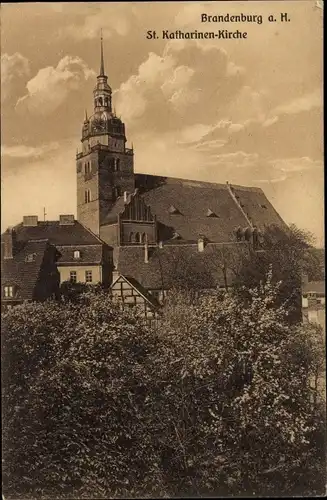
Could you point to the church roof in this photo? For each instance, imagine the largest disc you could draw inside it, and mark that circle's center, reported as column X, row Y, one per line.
column 193, row 200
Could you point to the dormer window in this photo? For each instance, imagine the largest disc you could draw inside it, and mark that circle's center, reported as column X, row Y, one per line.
column 263, row 206
column 173, row 210
column 9, row 291
column 77, row 254
column 210, row 213
column 30, row 257
column 176, row 236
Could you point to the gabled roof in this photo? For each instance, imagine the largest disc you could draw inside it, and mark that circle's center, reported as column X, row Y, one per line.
column 192, row 198
column 57, row 234
column 22, row 274
column 139, row 289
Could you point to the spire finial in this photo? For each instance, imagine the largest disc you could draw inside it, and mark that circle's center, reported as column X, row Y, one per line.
column 101, row 63
column 86, row 118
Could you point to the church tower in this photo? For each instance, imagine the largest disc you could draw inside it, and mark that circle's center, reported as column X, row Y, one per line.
column 105, row 166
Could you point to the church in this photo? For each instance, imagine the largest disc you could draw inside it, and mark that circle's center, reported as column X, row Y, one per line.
column 148, row 225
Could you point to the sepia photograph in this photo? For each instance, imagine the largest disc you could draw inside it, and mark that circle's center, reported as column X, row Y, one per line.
column 162, row 250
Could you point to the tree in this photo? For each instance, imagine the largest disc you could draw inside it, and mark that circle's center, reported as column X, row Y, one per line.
column 74, row 382
column 234, row 407
column 215, row 401
column 290, row 255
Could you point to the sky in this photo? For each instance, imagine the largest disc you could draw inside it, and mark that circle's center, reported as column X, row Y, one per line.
column 246, row 111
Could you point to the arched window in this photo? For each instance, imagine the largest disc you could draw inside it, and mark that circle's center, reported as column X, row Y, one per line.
column 132, row 238
column 87, row 196
column 137, row 237
column 144, row 238
column 100, row 101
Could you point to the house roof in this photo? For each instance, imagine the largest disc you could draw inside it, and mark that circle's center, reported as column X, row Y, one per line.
column 163, row 264
column 314, row 286
column 57, row 234
column 140, row 289
column 89, row 254
column 193, row 208
column 22, row 274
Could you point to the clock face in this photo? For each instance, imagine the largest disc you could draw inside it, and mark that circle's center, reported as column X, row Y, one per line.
column 98, row 125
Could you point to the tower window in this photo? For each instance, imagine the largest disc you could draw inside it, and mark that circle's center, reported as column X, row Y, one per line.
column 88, row 277
column 87, row 168
column 87, row 196
column 100, row 101
column 73, row 276
column 117, row 165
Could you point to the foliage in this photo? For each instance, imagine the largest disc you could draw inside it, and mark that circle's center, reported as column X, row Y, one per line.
column 74, row 378
column 216, row 400
column 290, row 255
column 238, row 412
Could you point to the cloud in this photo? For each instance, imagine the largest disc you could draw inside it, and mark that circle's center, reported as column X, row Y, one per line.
column 97, row 17
column 28, row 152
column 13, row 67
column 186, row 85
column 51, row 86
column 304, row 103
column 296, row 164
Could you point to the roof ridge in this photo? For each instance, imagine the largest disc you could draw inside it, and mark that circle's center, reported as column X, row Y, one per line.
column 204, row 183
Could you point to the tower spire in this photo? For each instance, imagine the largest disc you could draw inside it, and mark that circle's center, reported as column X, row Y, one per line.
column 101, row 63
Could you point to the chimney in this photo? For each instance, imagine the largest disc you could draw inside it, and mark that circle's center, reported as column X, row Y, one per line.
column 201, row 244
column 125, row 196
column 146, row 253
column 9, row 240
column 30, row 220
column 66, row 220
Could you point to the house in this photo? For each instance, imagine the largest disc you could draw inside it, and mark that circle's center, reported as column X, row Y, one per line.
column 81, row 256
column 28, row 270
column 313, row 302
column 131, row 294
